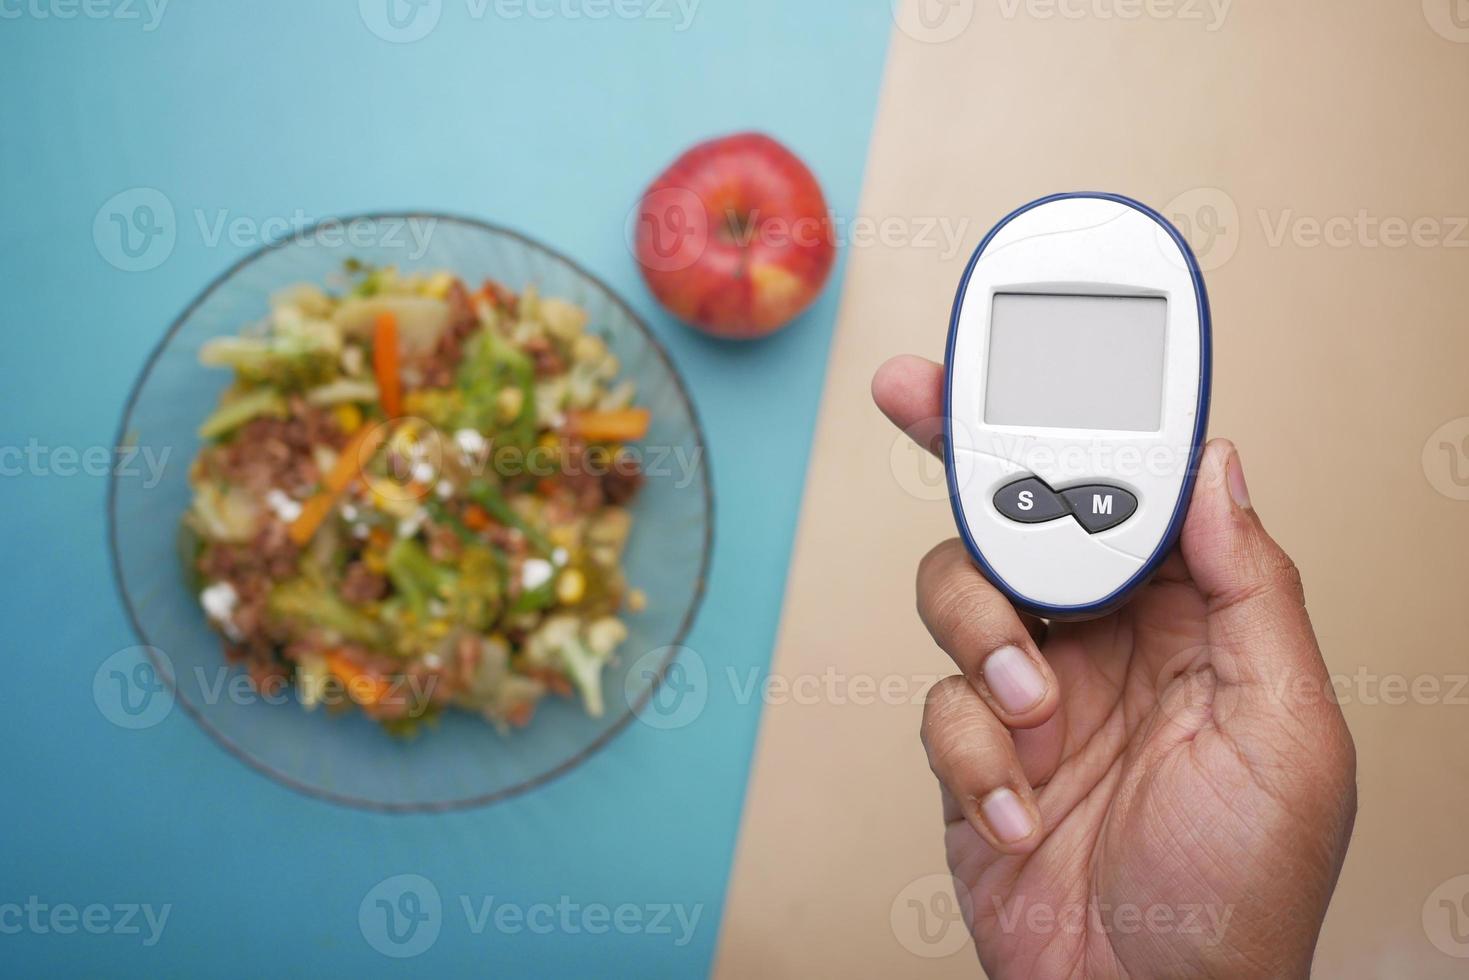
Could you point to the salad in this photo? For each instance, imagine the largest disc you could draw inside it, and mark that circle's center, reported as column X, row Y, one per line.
column 413, row 499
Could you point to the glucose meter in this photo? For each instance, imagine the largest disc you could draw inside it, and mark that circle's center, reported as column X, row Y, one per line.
column 1076, row 400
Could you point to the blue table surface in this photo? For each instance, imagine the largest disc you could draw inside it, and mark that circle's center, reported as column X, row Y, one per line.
column 288, row 110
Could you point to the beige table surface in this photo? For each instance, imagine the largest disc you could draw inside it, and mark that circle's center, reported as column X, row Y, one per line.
column 1301, row 141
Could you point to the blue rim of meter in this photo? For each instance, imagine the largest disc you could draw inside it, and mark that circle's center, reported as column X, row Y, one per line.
column 1201, row 422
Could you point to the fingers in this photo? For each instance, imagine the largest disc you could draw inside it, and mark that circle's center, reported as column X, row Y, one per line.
column 910, row 391
column 988, row 640
column 1257, row 608
column 971, row 753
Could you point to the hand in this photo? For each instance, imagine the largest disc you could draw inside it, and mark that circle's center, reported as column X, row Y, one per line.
column 1167, row 791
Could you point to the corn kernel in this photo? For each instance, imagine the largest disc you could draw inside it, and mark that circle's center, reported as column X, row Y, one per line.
column 508, row 404
column 406, row 437
column 349, row 417
column 571, row 587
column 637, row 600
column 400, row 500
column 438, row 629
column 438, row 285
column 375, row 561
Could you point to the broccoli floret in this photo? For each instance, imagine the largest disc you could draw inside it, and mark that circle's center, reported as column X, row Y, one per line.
column 580, row 652
column 477, row 594
column 440, row 407
column 298, row 353
column 584, row 667
column 309, row 604
column 416, row 576
column 470, row 592
column 491, row 366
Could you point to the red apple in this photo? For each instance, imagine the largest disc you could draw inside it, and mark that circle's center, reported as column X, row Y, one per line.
column 735, row 238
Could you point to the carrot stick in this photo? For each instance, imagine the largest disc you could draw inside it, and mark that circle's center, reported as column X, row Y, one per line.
column 313, row 513
column 476, row 518
column 359, row 449
column 362, row 687
column 385, row 363
column 615, row 425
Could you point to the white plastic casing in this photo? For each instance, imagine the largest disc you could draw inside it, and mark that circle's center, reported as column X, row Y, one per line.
column 1090, row 245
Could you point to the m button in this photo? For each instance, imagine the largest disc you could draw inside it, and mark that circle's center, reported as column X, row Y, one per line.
column 1098, row 507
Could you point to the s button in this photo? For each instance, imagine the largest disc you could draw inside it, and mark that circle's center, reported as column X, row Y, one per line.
column 1029, row 501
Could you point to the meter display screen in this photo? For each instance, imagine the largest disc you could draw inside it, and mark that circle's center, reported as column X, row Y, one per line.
column 1076, row 362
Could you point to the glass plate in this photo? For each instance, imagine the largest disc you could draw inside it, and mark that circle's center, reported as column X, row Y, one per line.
column 463, row 761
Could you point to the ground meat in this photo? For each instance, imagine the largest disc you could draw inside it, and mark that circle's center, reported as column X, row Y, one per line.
column 436, row 685
column 443, row 543
column 590, row 476
column 438, row 367
column 462, row 317
column 275, row 550
column 548, row 362
column 623, row 480
column 271, row 554
column 503, row 297
column 508, row 539
column 276, row 453
column 361, row 585
column 256, row 648
column 580, row 477
column 250, row 619
column 252, row 568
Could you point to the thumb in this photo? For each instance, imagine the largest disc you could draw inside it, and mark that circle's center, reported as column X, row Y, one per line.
column 1258, row 624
